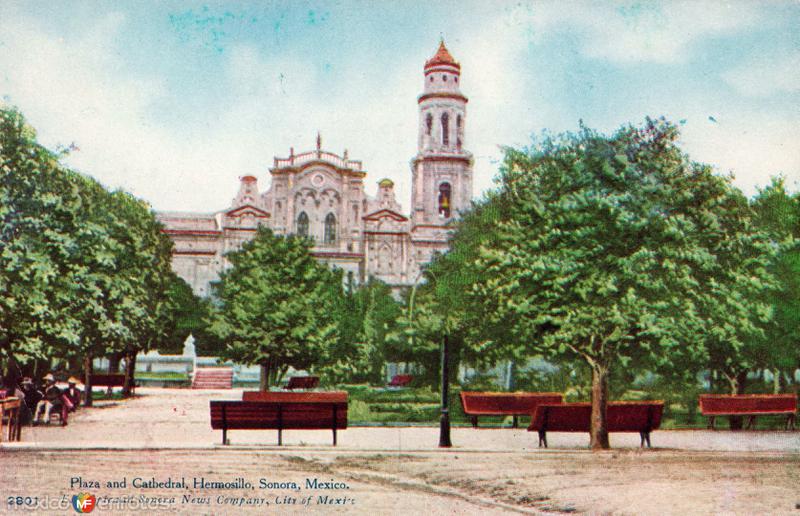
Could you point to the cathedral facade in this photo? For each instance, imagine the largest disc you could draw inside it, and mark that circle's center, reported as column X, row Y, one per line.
column 321, row 195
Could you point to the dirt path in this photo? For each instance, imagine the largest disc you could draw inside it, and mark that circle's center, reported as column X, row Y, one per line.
column 165, row 434
column 419, row 483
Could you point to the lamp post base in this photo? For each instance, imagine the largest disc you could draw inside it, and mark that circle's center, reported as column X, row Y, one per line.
column 444, row 430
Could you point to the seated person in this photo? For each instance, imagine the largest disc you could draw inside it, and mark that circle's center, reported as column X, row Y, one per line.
column 73, row 394
column 13, row 391
column 31, row 397
column 52, row 400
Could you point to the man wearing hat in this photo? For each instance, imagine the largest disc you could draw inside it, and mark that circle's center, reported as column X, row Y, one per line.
column 31, row 397
column 73, row 394
column 52, row 399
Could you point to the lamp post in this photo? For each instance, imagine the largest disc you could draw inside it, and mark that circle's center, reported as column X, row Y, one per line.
column 444, row 419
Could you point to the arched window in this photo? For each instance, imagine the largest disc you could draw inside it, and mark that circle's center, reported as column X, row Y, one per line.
column 445, row 131
column 428, row 124
column 302, row 224
column 330, row 229
column 458, row 131
column 444, row 200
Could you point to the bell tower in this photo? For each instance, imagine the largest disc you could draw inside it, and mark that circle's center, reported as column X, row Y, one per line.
column 442, row 169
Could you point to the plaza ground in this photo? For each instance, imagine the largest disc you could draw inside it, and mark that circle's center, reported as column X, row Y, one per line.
column 165, row 433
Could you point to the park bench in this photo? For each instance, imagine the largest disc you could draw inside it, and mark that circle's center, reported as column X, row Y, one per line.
column 751, row 405
column 505, row 404
column 281, row 411
column 302, row 382
column 400, row 380
column 621, row 416
column 109, row 380
column 10, row 412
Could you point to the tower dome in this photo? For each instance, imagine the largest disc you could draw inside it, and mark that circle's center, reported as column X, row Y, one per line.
column 442, row 168
column 442, row 58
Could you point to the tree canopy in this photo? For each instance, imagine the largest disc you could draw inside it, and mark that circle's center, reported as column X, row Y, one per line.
column 613, row 249
column 83, row 271
column 274, row 305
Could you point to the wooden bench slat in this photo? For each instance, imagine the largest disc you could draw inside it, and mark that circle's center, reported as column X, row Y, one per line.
column 752, row 405
column 108, row 380
column 326, row 397
column 400, row 380
column 281, row 411
column 505, row 403
column 746, row 404
column 621, row 416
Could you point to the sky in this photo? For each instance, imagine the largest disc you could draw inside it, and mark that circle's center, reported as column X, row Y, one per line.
column 173, row 101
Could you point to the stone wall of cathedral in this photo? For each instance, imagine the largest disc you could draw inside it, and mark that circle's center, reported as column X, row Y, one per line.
column 321, row 195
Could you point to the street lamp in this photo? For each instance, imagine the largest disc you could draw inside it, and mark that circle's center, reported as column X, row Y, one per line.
column 444, row 419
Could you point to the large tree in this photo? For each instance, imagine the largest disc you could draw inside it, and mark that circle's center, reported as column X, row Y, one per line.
column 189, row 317
column 611, row 250
column 275, row 305
column 39, row 213
column 83, row 271
column 441, row 305
column 365, row 315
column 778, row 213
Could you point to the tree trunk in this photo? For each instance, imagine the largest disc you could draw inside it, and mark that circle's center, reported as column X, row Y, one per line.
column 280, row 373
column 776, row 381
column 266, row 370
column 738, row 383
column 599, row 427
column 113, row 362
column 74, row 366
column 13, row 372
column 87, row 380
column 130, row 373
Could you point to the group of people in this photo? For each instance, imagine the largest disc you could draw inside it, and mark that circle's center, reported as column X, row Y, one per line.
column 41, row 402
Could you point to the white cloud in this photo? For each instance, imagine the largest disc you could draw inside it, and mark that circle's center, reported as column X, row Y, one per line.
column 754, row 146
column 79, row 89
column 766, row 76
column 660, row 32
column 502, row 111
column 71, row 90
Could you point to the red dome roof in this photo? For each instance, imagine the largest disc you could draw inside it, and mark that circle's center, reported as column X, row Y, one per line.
column 442, row 57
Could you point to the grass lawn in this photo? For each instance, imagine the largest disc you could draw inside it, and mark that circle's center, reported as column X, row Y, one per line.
column 162, row 376
column 382, row 406
column 375, row 405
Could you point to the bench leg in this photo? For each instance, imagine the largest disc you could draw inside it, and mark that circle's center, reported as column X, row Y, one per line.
column 514, row 422
column 645, row 439
column 790, row 422
column 474, row 420
column 224, row 436
column 542, row 438
column 750, row 422
column 711, row 422
column 280, row 437
column 335, row 422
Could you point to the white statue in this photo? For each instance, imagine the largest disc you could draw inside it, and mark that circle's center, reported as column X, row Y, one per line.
column 188, row 346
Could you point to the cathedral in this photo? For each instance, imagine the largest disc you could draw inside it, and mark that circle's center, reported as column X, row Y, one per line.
column 321, row 195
